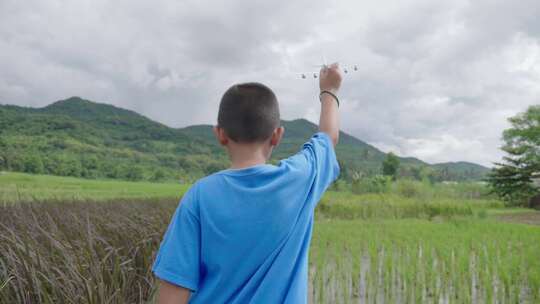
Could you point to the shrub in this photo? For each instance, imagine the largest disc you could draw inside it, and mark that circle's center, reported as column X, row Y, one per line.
column 408, row 188
column 375, row 184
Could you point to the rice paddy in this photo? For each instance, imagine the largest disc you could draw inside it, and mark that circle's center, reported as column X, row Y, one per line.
column 419, row 261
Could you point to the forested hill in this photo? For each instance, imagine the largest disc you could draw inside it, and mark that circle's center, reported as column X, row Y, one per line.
column 77, row 137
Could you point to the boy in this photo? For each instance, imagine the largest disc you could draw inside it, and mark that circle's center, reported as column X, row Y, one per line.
column 242, row 235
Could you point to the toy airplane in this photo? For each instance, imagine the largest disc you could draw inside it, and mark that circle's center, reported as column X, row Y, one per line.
column 346, row 70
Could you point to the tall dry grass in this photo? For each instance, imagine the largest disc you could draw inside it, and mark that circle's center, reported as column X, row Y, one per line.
column 91, row 252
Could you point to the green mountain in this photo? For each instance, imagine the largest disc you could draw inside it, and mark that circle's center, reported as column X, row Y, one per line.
column 77, row 137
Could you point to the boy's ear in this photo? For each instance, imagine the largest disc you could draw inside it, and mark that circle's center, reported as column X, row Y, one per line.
column 220, row 135
column 277, row 135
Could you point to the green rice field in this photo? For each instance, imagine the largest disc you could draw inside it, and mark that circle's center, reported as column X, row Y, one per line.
column 421, row 261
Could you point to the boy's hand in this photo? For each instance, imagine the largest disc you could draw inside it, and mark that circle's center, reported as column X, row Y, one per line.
column 330, row 78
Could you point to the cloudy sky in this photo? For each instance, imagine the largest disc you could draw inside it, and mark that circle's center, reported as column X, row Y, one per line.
column 436, row 79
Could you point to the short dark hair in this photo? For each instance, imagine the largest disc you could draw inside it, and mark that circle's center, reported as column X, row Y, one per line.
column 249, row 112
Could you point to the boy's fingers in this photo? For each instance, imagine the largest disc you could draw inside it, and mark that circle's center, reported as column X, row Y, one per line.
column 324, row 70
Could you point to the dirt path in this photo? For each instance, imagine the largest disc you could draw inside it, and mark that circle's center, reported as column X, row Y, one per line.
column 531, row 218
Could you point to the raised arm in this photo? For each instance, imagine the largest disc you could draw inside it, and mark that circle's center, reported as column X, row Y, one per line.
column 330, row 81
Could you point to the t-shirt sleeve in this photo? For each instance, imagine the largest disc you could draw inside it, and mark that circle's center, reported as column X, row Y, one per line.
column 321, row 161
column 178, row 258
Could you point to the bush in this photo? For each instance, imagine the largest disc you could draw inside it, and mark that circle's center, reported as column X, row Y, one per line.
column 375, row 184
column 33, row 164
column 134, row 173
column 339, row 185
column 408, row 188
column 158, row 175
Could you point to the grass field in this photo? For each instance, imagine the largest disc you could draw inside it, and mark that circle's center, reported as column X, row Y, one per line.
column 16, row 187
column 437, row 246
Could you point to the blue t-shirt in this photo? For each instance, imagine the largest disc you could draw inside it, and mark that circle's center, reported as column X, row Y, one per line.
column 243, row 235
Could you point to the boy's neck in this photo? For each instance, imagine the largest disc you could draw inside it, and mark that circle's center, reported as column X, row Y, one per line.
column 247, row 163
column 247, row 155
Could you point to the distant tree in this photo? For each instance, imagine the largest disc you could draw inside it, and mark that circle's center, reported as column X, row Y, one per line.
column 213, row 167
column 3, row 158
column 419, row 173
column 390, row 165
column 87, row 173
column 90, row 162
column 72, row 166
column 33, row 164
column 158, row 175
column 409, row 172
column 64, row 165
column 343, row 170
column 134, row 173
column 14, row 161
column 59, row 143
column 168, row 160
column 429, row 175
column 90, row 166
column 187, row 163
column 512, row 179
column 416, row 172
column 49, row 164
column 113, row 171
column 445, row 174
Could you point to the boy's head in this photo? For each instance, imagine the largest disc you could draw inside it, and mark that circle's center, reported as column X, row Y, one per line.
column 249, row 114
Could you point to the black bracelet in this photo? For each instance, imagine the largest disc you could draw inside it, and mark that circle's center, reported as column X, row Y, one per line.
column 331, row 94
